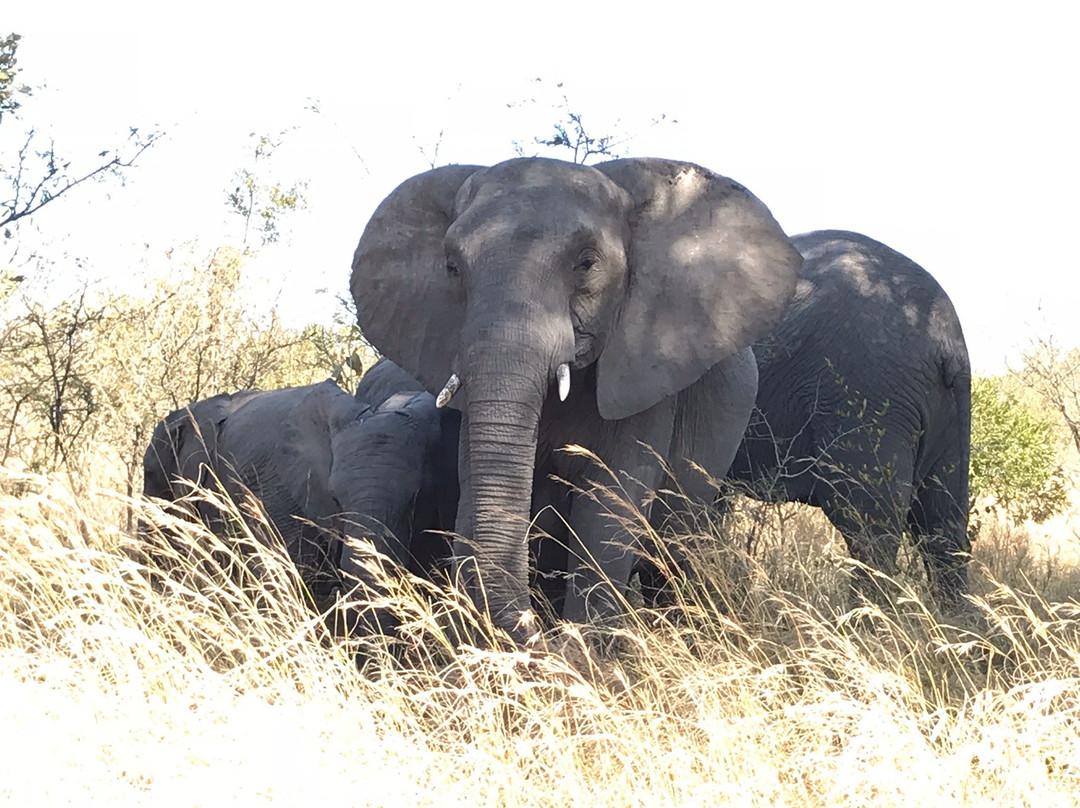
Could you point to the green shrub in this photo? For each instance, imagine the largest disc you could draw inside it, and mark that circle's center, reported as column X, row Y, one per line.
column 1014, row 452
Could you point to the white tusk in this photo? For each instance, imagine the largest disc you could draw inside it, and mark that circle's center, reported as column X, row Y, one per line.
column 563, row 375
column 447, row 393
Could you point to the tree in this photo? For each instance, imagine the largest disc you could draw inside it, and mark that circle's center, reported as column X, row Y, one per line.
column 1053, row 373
column 48, row 393
column 84, row 382
column 569, row 133
column 263, row 202
column 36, row 174
column 1013, row 455
column 9, row 90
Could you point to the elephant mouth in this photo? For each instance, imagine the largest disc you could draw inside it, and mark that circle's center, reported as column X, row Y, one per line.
column 584, row 348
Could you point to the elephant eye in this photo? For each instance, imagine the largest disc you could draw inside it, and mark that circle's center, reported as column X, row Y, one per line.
column 587, row 263
column 451, row 268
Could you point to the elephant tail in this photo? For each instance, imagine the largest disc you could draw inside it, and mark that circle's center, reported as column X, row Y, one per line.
column 956, row 376
column 947, row 339
column 956, row 373
column 955, row 369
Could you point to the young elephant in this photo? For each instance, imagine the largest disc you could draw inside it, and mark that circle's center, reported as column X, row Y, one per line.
column 323, row 465
column 436, row 500
column 864, row 407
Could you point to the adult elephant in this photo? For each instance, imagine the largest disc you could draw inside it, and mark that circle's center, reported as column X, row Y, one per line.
column 864, row 408
column 604, row 306
column 323, row 465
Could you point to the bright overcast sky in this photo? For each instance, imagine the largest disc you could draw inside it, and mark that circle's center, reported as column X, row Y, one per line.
column 949, row 131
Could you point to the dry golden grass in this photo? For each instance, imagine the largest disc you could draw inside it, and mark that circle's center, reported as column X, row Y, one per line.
column 123, row 684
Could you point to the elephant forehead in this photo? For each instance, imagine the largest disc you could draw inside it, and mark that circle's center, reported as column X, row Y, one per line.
column 540, row 172
column 539, row 182
column 545, row 226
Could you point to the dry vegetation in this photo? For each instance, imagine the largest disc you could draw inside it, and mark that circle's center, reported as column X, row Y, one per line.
column 92, row 374
column 141, row 670
column 150, row 666
column 143, row 673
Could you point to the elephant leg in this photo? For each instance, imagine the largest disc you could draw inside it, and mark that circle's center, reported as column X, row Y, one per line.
column 549, row 556
column 867, row 504
column 938, row 522
column 549, row 540
column 711, row 418
column 429, row 551
column 317, row 557
column 662, row 549
column 605, row 517
column 602, row 554
column 656, row 589
column 876, row 549
column 429, row 546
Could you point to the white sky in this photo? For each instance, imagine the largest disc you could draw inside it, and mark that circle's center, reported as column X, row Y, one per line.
column 947, row 130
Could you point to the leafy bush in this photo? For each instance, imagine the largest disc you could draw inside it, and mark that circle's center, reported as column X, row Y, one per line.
column 1013, row 455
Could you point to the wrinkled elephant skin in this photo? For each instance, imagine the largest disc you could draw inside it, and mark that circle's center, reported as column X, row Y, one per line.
column 864, row 408
column 322, row 464
column 554, row 304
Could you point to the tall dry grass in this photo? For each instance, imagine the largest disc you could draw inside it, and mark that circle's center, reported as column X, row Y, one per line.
column 169, row 676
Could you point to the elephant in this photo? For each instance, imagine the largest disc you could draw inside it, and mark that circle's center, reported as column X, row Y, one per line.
column 323, row 464
column 557, row 304
column 864, row 409
column 436, row 500
column 548, row 535
column 385, row 379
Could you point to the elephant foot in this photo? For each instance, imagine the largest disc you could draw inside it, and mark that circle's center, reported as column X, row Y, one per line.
column 591, row 655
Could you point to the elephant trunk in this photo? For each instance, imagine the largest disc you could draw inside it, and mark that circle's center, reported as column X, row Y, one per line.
column 506, row 385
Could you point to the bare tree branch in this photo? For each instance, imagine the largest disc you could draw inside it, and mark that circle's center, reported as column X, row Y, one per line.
column 1053, row 373
column 570, row 133
column 28, row 198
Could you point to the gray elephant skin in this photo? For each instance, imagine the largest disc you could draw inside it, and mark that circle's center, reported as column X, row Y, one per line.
column 864, row 408
column 323, row 464
column 386, row 387
column 644, row 278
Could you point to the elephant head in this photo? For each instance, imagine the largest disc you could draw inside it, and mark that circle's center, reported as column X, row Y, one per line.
column 182, row 447
column 502, row 278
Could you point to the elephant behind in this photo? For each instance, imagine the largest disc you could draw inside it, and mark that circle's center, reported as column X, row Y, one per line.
column 384, row 379
column 322, row 464
column 864, row 407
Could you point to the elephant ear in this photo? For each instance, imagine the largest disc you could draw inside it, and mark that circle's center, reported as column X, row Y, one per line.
column 710, row 272
column 307, row 445
column 161, row 460
column 198, row 432
column 406, row 303
column 188, row 445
